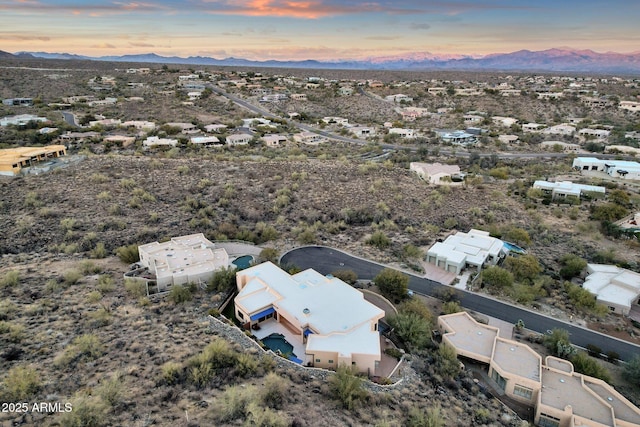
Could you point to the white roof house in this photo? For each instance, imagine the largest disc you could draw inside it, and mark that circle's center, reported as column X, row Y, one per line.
column 205, row 140
column 461, row 250
column 613, row 286
column 615, row 168
column 332, row 318
column 562, row 129
column 458, row 137
column 185, row 259
column 433, row 172
column 238, row 139
column 309, row 138
column 154, row 141
column 274, row 140
column 567, row 188
column 215, row 127
column 21, row 120
column 403, row 132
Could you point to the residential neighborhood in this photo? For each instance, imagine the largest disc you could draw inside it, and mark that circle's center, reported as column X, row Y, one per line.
column 212, row 230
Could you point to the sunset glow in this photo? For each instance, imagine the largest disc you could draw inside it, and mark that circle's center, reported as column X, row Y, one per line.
column 315, row 29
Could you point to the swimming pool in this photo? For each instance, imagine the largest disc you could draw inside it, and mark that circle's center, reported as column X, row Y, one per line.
column 279, row 345
column 514, row 248
column 243, row 262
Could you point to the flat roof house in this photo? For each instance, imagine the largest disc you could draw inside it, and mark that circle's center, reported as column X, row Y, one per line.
column 181, row 260
column 567, row 188
column 458, row 137
column 461, row 250
column 12, row 160
column 334, row 321
column 615, row 287
column 615, row 168
column 559, row 396
column 433, row 172
column 238, row 139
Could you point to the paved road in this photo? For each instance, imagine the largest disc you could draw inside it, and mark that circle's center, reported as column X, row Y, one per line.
column 70, row 118
column 325, row 260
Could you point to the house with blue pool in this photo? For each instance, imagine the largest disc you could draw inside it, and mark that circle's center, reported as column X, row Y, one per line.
column 332, row 320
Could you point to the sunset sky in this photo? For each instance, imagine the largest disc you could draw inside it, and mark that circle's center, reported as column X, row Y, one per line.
column 316, row 29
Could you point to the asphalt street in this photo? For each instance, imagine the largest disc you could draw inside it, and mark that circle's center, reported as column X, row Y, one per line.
column 325, row 260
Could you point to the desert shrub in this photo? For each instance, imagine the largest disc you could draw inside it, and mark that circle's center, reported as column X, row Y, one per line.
column 594, row 350
column 87, row 412
column 88, row 267
column 127, row 183
column 451, row 307
column 558, row 343
column 264, row 417
column 517, row 235
column 180, row 294
column 500, row 173
column 222, row 280
column 94, row 296
column 268, row 254
column 68, row 224
column 20, row 384
column 450, row 223
column 446, row 362
column 215, row 356
column 246, row 365
column 346, row 387
column 135, row 288
column 84, row 347
column 105, row 283
column 572, row 265
column 101, row 317
column 274, row 390
column 411, row 251
column 7, row 309
column 584, row 364
column 99, row 251
column 234, row 402
column 432, row 417
column 497, row 277
column 346, row 275
column 307, row 236
column 71, row 277
column 583, row 299
column 32, row 200
column 379, row 240
column 112, row 390
column 483, row 416
column 632, row 369
column 524, row 267
column 171, row 373
column 416, row 306
column 412, row 329
column 608, row 212
column 10, row 279
column 392, row 284
column 128, row 254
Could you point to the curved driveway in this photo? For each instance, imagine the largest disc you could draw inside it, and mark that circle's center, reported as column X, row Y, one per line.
column 325, row 260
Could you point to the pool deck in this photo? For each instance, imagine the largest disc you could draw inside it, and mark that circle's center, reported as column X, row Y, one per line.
column 271, row 326
column 386, row 366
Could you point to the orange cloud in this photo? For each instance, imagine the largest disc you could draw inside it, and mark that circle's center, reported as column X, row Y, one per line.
column 309, row 9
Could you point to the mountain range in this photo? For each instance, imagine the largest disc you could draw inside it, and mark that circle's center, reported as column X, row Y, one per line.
column 557, row 59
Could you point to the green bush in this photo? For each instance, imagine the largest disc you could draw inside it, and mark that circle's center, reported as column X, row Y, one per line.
column 268, row 254
column 10, row 279
column 135, row 288
column 7, row 309
column 105, row 284
column 346, row 387
column 100, row 251
column 523, row 267
column 412, row 329
column 180, row 294
column 171, row 372
column 87, row 412
column 85, row 347
column 392, row 284
column 346, row 275
column 497, row 277
column 379, row 240
column 71, row 277
column 572, row 266
column 584, row 364
column 112, row 391
column 20, row 384
column 222, row 280
column 88, row 267
column 446, row 362
column 431, row 418
column 128, row 254
column 234, row 402
column 451, row 307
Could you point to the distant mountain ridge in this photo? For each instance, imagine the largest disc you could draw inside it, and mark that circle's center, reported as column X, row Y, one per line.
column 556, row 59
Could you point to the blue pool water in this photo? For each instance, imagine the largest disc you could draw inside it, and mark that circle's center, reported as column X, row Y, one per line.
column 279, row 344
column 243, row 262
column 514, row 248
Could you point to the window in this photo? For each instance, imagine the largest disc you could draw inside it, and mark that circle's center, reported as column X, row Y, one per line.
column 521, row 391
column 317, row 360
column 612, row 308
column 240, row 315
column 330, row 361
column 498, row 379
column 548, row 421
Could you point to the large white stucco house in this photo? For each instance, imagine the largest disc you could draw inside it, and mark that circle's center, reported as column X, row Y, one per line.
column 181, row 260
column 615, row 287
column 334, row 321
column 462, row 250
